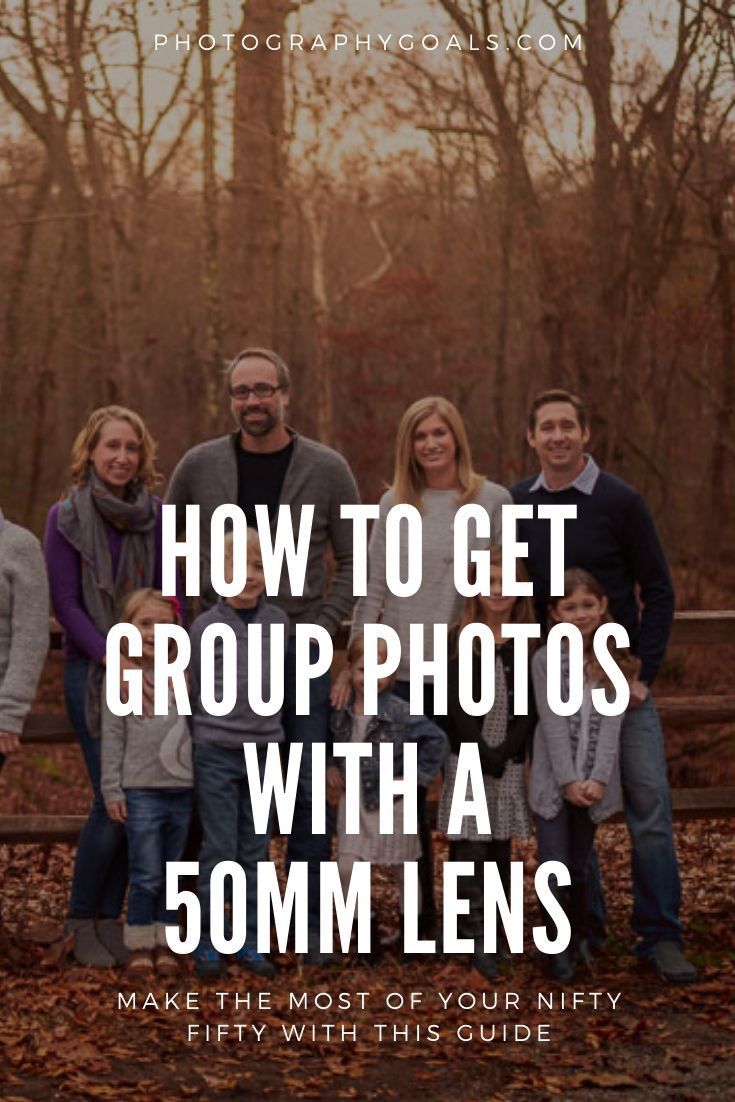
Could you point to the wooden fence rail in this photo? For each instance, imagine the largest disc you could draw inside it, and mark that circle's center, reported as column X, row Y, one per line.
column 701, row 628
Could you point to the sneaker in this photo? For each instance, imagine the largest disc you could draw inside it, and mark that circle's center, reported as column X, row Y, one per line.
column 667, row 958
column 207, row 961
column 254, row 961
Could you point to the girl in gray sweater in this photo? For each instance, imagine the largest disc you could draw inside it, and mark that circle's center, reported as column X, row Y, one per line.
column 147, row 781
column 575, row 772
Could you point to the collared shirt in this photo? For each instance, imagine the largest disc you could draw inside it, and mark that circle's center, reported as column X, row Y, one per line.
column 584, row 482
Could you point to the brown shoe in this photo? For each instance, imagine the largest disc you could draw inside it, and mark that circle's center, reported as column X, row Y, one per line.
column 140, row 961
column 167, row 963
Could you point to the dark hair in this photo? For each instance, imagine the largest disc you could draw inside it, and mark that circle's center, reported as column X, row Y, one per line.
column 558, row 394
column 282, row 372
column 576, row 578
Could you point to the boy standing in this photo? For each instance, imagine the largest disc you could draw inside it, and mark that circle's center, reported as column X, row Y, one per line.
column 222, row 791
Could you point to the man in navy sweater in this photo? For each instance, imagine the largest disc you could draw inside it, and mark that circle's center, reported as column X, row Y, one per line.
column 614, row 538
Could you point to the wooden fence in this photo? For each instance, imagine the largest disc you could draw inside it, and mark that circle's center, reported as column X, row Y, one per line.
column 690, row 629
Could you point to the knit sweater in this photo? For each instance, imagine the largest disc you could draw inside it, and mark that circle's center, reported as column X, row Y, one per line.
column 316, row 475
column 144, row 752
column 437, row 600
column 24, row 611
column 614, row 538
column 242, row 724
column 552, row 765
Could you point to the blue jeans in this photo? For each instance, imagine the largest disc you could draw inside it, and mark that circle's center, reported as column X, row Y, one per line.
column 568, row 838
column 157, row 825
column 223, row 802
column 302, row 844
column 647, row 807
column 101, row 864
column 427, row 917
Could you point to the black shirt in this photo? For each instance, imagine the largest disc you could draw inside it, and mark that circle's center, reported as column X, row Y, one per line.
column 260, row 478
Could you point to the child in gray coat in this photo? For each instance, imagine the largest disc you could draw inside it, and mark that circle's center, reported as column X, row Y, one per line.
column 575, row 772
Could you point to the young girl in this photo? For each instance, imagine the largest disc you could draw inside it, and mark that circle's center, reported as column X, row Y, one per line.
column 392, row 723
column 502, row 738
column 147, row 785
column 575, row 775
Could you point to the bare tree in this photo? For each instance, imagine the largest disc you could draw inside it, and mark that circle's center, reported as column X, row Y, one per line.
column 258, row 177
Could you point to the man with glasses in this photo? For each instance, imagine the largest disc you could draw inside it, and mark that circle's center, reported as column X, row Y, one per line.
column 265, row 462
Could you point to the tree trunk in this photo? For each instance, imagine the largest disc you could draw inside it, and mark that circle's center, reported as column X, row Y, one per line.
column 258, row 178
column 213, row 355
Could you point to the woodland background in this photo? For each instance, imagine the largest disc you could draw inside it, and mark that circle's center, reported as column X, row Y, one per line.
column 476, row 224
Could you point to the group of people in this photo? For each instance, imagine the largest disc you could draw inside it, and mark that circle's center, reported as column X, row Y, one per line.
column 104, row 564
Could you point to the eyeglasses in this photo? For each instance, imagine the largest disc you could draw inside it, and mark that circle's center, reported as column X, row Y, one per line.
column 260, row 390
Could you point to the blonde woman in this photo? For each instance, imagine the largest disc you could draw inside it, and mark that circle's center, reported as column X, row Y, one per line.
column 103, row 540
column 433, row 471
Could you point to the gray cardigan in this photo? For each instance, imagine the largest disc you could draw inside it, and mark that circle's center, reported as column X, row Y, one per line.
column 24, row 612
column 316, row 475
column 552, row 766
column 242, row 724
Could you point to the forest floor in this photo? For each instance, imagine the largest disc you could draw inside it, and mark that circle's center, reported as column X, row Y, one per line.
column 64, row 1037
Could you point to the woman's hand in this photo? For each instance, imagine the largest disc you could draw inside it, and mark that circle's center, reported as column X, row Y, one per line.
column 9, row 743
column 576, row 793
column 340, row 694
column 335, row 785
column 117, row 811
column 595, row 790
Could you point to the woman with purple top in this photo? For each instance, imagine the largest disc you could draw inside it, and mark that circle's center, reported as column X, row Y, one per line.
column 103, row 540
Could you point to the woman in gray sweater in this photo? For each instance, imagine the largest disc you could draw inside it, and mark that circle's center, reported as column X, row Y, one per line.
column 433, row 471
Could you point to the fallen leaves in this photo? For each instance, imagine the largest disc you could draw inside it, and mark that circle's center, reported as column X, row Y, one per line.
column 62, row 1036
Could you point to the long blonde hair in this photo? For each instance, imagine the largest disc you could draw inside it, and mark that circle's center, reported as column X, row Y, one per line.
column 408, row 480
column 89, row 436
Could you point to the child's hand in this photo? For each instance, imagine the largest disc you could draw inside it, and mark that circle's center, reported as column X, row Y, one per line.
column 335, row 785
column 595, row 790
column 576, row 793
column 9, row 743
column 340, row 694
column 117, row 811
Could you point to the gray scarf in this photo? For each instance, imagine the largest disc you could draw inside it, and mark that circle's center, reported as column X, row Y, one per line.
column 84, row 514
